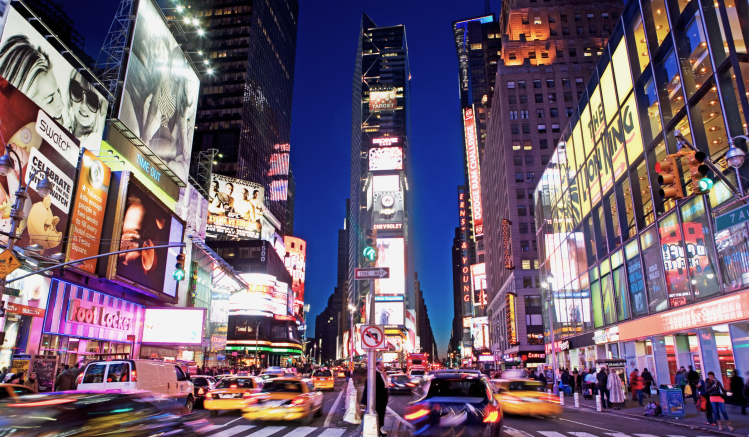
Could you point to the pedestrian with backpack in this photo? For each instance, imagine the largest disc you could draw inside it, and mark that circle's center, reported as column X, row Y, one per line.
column 716, row 392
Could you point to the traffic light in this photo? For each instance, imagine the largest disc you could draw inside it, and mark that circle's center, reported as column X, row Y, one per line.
column 700, row 182
column 669, row 178
column 179, row 268
column 370, row 247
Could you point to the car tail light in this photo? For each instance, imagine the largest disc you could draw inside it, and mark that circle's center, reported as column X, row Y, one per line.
column 79, row 379
column 247, row 394
column 46, row 403
column 492, row 417
column 133, row 376
column 417, row 414
column 201, row 391
column 411, row 384
column 553, row 399
column 390, row 384
column 298, row 401
column 233, row 386
column 208, row 395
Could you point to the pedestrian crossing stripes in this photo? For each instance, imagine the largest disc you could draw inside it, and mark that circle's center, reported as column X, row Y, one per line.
column 271, row 431
column 512, row 432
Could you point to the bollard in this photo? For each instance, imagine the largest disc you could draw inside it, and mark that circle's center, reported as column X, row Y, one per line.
column 577, row 400
column 561, row 398
column 598, row 403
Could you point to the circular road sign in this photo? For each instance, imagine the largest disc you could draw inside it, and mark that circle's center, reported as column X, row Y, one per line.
column 372, row 337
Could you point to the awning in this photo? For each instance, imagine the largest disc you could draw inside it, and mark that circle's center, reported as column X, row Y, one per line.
column 224, row 275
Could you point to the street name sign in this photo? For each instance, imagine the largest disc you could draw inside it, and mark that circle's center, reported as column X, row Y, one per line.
column 732, row 218
column 8, row 263
column 372, row 337
column 371, row 273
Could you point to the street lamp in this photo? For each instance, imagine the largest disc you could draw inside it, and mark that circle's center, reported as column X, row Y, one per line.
column 547, row 284
column 351, row 310
column 735, row 158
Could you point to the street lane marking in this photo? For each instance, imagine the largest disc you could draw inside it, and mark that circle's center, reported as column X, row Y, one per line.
column 651, row 435
column 551, row 433
column 268, row 430
column 583, row 434
column 232, row 431
column 585, row 424
column 515, row 432
column 400, row 419
column 209, row 428
column 301, row 431
column 329, row 417
column 617, row 434
column 332, row 432
column 238, row 418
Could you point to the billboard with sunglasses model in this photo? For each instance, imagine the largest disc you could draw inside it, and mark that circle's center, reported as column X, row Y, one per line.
column 31, row 64
column 160, row 97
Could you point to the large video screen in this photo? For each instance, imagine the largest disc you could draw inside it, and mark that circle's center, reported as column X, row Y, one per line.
column 390, row 312
column 160, row 95
column 392, row 253
column 385, row 158
column 40, row 144
column 30, row 63
column 236, row 208
column 148, row 223
column 174, row 326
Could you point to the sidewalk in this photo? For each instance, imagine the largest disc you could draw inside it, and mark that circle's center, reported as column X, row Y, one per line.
column 693, row 419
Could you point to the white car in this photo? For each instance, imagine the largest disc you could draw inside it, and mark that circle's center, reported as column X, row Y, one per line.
column 170, row 385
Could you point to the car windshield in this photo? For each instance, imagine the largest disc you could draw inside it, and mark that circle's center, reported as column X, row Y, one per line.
column 235, row 383
column 417, row 373
column 282, row 387
column 526, row 385
column 471, row 388
column 323, row 373
column 200, row 381
column 401, row 378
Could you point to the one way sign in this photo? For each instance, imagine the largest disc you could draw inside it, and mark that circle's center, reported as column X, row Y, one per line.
column 371, row 273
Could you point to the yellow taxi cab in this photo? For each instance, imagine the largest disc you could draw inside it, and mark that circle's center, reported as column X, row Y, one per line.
column 524, row 397
column 323, row 379
column 285, row 399
column 231, row 393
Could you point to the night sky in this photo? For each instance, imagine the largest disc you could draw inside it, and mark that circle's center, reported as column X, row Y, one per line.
column 321, row 131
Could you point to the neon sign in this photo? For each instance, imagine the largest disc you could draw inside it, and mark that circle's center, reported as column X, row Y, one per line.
column 474, row 175
column 385, row 141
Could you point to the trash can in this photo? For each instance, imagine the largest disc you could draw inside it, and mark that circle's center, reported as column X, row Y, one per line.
column 672, row 401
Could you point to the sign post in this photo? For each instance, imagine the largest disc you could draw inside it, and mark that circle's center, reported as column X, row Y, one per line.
column 732, row 218
column 375, row 339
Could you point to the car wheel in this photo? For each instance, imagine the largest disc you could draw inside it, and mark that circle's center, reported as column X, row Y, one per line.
column 307, row 419
column 214, row 413
column 319, row 411
column 190, row 404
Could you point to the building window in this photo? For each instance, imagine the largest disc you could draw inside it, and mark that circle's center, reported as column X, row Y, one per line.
column 533, row 301
column 524, row 114
column 523, row 228
column 512, row 99
column 542, row 128
column 544, row 55
column 569, row 112
column 563, row 17
column 578, row 17
column 525, row 246
column 560, row 52
column 533, row 227
column 518, row 177
column 513, row 115
column 516, row 145
column 553, row 32
column 535, row 245
column 554, row 112
column 521, row 84
column 528, row 282
column 539, row 98
column 614, row 15
column 544, row 144
column 518, row 161
column 592, row 29
column 565, row 31
column 579, row 81
column 535, row 263
column 591, row 16
column 535, row 339
column 532, row 210
column 555, row 128
column 552, row 19
column 530, row 177
column 544, row 159
column 514, row 129
column 524, row 20
column 528, row 159
column 523, row 99
column 520, row 194
column 512, row 56
column 540, row 113
column 580, row 30
column 566, row 83
column 521, row 211
column 526, row 264
column 549, row 83
column 536, row 83
column 536, row 20
column 526, row 128
column 527, row 145
column 567, row 97
column 511, row 85
column 573, row 52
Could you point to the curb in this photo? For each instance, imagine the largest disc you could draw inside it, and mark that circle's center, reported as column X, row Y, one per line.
column 666, row 422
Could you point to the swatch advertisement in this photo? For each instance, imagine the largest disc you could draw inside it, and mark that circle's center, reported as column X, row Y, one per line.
column 89, row 205
column 39, row 143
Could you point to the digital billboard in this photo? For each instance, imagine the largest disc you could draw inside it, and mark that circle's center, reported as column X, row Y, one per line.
column 146, row 222
column 392, row 254
column 236, row 208
column 295, row 260
column 265, row 296
column 40, row 144
column 480, row 332
column 160, row 94
column 32, row 65
column 386, row 183
column 478, row 275
column 383, row 100
column 192, row 207
column 89, row 206
column 474, row 171
column 386, row 141
column 385, row 158
column 389, row 311
column 183, row 326
column 388, row 208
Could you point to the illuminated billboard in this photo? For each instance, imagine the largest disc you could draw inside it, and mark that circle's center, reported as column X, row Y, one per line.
column 386, row 183
column 265, row 296
column 392, row 254
column 89, row 205
column 279, row 160
column 386, row 141
column 192, row 207
column 474, row 173
column 160, row 97
column 478, row 275
column 480, row 332
column 385, row 158
column 511, row 322
column 236, row 208
column 388, row 208
column 383, row 100
column 296, row 263
column 40, row 144
column 31, row 64
column 183, row 326
column 146, row 222
column 389, row 310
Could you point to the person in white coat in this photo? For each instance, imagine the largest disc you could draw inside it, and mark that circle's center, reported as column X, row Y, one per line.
column 616, row 393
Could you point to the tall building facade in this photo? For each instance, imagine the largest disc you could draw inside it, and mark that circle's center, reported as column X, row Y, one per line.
column 637, row 270
column 548, row 54
column 244, row 110
column 381, row 145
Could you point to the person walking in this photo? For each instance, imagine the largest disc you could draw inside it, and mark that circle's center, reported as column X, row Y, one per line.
column 680, row 379
column 647, row 379
column 708, row 406
column 64, row 380
column 566, row 380
column 577, row 381
column 716, row 392
column 590, row 385
column 636, row 384
column 692, row 379
column 76, row 370
column 737, row 391
column 542, row 379
column 746, row 395
column 616, row 393
column 603, row 380
column 32, row 382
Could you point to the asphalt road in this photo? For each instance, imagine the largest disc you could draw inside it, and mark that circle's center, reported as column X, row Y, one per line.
column 572, row 423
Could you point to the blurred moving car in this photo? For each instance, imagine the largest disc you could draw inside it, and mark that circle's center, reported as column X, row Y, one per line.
column 417, row 375
column 160, row 377
column 14, row 391
column 88, row 414
column 285, row 399
column 203, row 384
column 323, row 379
column 456, row 404
column 525, row 397
column 230, row 394
column 400, row 383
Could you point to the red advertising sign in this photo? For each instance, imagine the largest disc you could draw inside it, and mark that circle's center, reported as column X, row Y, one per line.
column 382, row 100
column 474, row 174
column 24, row 310
column 88, row 211
column 86, row 312
column 296, row 263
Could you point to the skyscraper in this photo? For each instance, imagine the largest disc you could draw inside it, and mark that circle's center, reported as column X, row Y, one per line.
column 380, row 161
column 548, row 53
column 245, row 103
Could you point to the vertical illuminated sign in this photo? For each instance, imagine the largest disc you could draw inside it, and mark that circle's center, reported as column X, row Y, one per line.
column 474, row 174
column 465, row 269
column 512, row 326
column 506, row 243
column 296, row 263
